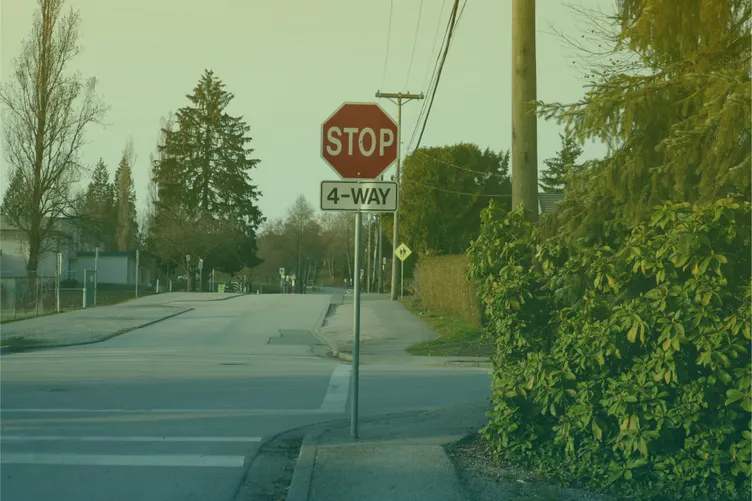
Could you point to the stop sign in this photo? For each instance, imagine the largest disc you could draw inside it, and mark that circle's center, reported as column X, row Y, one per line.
column 359, row 141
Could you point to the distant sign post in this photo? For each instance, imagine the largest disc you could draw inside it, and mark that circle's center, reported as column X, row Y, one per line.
column 359, row 141
column 403, row 252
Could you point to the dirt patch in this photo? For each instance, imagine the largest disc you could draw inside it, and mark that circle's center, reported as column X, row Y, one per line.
column 270, row 473
column 486, row 479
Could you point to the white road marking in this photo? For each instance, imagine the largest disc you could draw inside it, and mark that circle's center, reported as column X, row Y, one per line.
column 177, row 460
column 335, row 399
column 45, row 438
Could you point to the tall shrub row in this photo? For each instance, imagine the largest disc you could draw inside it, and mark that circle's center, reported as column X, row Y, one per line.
column 624, row 366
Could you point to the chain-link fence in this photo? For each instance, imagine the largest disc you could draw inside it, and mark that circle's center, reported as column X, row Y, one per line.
column 22, row 297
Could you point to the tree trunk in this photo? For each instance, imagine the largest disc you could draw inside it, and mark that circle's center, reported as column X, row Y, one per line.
column 35, row 245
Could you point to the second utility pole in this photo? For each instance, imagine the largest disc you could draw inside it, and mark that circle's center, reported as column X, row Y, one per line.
column 398, row 98
column 524, row 117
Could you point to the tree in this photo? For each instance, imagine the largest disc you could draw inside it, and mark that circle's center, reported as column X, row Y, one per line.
column 677, row 120
column 125, row 201
column 203, row 174
column 98, row 214
column 305, row 236
column 554, row 179
column 46, row 112
column 442, row 193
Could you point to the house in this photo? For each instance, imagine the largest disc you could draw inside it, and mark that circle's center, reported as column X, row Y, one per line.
column 77, row 256
column 116, row 268
column 14, row 249
column 546, row 201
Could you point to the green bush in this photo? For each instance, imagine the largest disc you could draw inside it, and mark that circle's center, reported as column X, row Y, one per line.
column 625, row 366
column 440, row 284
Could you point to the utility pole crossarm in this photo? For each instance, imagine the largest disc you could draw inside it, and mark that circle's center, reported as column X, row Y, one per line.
column 406, row 96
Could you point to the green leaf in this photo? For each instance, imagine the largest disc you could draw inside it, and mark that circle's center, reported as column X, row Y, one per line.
column 597, row 432
column 611, row 282
column 642, row 447
column 704, row 265
column 733, row 395
column 632, row 334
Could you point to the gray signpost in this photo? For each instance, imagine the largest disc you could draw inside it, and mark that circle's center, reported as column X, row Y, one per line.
column 358, row 164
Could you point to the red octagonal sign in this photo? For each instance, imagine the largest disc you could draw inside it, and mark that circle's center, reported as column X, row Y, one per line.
column 359, row 141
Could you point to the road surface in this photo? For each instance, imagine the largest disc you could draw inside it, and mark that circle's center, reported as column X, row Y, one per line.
column 174, row 411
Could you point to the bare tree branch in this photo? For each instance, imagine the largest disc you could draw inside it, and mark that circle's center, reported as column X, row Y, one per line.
column 46, row 112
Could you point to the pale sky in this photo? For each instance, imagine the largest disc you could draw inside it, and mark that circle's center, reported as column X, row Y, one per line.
column 291, row 63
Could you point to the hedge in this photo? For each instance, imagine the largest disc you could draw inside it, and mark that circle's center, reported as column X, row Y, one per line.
column 624, row 367
column 440, row 283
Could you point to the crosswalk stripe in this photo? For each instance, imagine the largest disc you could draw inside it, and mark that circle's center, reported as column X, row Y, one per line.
column 174, row 460
column 51, row 438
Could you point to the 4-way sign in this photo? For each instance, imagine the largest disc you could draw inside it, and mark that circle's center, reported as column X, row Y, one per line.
column 363, row 196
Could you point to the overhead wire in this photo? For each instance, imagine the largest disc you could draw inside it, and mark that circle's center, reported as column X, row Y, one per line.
column 415, row 43
column 433, row 46
column 388, row 38
column 455, row 192
column 453, row 24
column 449, row 164
column 426, row 108
column 430, row 85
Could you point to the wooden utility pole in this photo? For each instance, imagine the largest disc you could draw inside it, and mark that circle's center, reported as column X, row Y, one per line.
column 524, row 120
column 397, row 98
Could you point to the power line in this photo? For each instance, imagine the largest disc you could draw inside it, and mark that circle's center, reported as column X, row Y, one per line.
column 431, row 84
column 449, row 164
column 415, row 43
column 433, row 47
column 452, row 27
column 467, row 193
column 388, row 38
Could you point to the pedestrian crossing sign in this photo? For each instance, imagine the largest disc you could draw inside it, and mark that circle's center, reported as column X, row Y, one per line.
column 403, row 252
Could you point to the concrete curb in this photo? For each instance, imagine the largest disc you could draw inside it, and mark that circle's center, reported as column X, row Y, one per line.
column 303, row 475
column 5, row 351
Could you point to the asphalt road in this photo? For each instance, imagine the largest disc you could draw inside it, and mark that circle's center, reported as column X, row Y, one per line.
column 174, row 411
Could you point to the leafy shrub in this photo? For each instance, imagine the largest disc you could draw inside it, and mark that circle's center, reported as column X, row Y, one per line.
column 440, row 283
column 624, row 366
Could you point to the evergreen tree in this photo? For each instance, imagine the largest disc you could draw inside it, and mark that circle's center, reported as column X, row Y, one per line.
column 125, row 202
column 204, row 169
column 676, row 119
column 554, row 179
column 99, row 209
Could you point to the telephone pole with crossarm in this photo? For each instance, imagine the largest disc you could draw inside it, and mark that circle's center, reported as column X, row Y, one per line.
column 399, row 99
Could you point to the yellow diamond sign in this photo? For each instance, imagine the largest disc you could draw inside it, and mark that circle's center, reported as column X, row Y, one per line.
column 403, row 252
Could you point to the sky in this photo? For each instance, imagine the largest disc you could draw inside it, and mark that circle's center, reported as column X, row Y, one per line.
column 291, row 63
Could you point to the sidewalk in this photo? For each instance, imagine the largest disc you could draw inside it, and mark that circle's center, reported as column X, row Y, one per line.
column 401, row 458
column 387, row 330
column 84, row 326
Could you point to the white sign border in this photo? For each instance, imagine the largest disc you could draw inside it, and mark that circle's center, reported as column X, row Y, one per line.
column 321, row 152
column 362, row 181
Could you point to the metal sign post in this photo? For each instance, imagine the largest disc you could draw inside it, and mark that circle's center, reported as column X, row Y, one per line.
column 96, row 273
column 369, row 149
column 137, row 271
column 356, row 330
column 57, row 281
